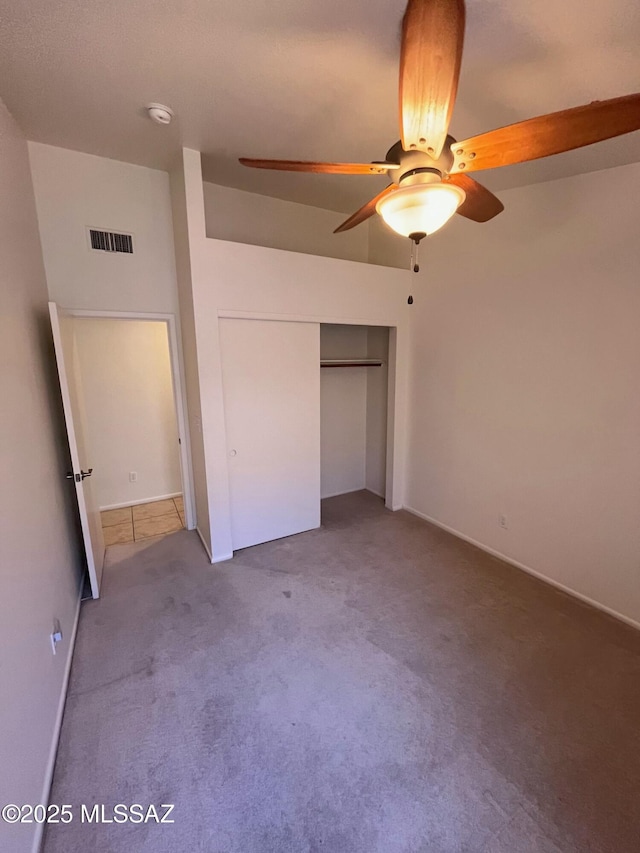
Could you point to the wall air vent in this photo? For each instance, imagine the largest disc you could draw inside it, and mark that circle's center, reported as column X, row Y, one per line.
column 110, row 241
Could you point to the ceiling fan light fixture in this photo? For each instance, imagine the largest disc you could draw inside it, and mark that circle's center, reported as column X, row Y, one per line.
column 421, row 208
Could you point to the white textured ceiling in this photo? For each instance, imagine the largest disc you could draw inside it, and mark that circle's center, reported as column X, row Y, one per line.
column 301, row 80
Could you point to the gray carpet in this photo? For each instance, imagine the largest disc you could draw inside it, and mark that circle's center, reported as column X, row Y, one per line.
column 375, row 686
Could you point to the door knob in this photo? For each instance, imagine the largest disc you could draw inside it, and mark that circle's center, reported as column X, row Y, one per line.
column 233, row 453
column 78, row 477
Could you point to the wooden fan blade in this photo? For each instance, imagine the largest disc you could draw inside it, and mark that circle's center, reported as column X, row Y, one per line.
column 480, row 204
column 430, row 57
column 548, row 134
column 365, row 211
column 321, row 168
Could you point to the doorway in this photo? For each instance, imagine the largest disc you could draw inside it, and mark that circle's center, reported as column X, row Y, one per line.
column 131, row 425
column 112, row 356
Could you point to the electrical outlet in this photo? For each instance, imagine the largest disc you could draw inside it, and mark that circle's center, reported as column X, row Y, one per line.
column 56, row 635
column 502, row 521
column 133, row 476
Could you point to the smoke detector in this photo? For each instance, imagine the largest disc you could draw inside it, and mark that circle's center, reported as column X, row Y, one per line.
column 159, row 113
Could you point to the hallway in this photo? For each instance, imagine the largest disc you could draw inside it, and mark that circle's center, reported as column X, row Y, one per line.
column 142, row 521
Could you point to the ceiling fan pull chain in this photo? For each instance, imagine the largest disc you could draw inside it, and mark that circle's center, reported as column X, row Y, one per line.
column 415, row 242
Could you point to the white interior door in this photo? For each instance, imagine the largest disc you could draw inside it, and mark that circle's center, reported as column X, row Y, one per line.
column 271, row 381
column 66, row 358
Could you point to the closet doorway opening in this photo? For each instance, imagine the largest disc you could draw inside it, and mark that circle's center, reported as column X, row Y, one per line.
column 354, row 392
column 133, row 424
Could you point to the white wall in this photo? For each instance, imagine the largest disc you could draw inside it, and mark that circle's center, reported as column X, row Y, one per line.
column 75, row 190
column 244, row 217
column 526, row 368
column 227, row 277
column 130, row 412
column 377, row 393
column 343, row 411
column 389, row 249
column 184, row 211
column 39, row 560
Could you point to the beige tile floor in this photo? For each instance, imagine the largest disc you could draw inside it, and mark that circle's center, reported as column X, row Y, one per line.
column 133, row 523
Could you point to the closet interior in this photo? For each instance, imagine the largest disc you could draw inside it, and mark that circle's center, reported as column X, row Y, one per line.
column 353, row 408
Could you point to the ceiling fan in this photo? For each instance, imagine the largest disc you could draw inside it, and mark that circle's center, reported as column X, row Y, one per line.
column 428, row 167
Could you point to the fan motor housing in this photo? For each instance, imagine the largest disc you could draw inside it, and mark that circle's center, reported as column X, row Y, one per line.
column 418, row 165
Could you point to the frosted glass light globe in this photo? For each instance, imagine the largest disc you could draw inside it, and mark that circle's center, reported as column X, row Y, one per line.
column 420, row 208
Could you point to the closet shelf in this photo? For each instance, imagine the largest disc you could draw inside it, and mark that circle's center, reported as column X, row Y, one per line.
column 351, row 362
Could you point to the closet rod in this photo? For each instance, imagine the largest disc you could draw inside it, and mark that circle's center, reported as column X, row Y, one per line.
column 351, row 362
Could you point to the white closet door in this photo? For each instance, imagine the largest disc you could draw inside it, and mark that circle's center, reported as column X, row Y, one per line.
column 271, row 380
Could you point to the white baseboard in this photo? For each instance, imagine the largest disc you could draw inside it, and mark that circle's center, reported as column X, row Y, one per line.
column 223, row 558
column 374, row 492
column 141, row 501
column 598, row 605
column 204, row 544
column 348, row 492
column 51, row 761
column 359, row 489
